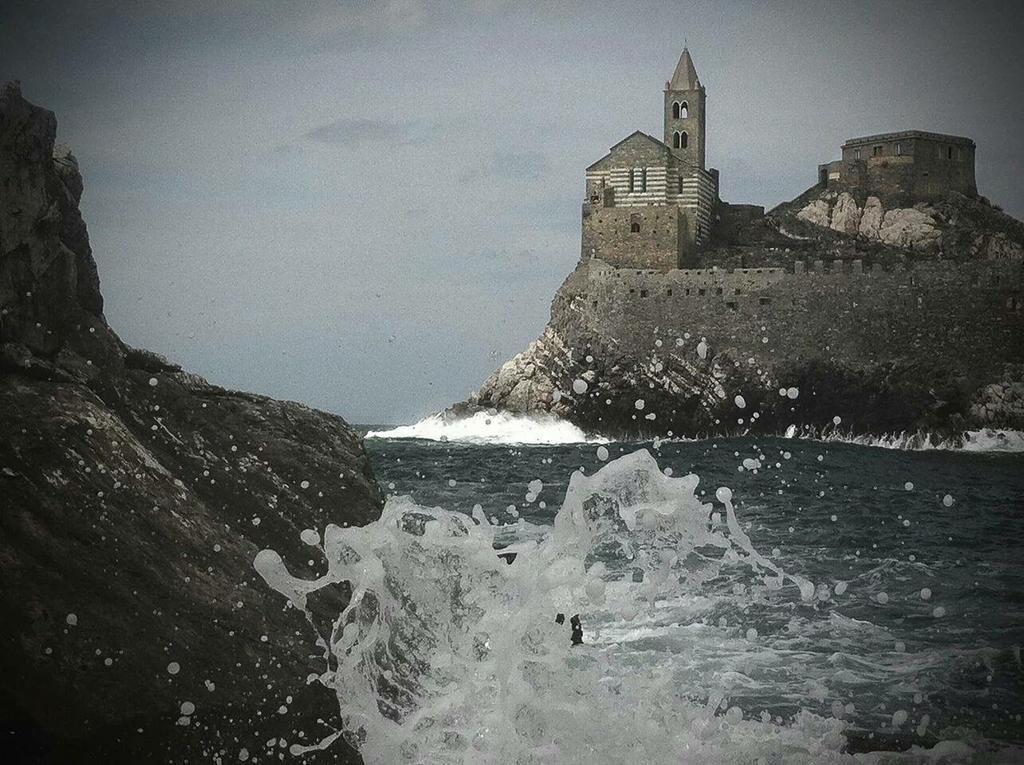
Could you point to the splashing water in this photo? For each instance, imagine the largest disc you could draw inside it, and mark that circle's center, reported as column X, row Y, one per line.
column 447, row 654
column 496, row 428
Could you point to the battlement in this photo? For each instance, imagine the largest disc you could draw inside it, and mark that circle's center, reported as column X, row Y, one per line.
column 721, row 283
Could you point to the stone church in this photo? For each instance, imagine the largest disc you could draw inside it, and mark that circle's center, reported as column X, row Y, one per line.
column 650, row 203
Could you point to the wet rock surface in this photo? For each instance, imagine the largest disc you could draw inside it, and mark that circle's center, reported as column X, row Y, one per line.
column 133, row 498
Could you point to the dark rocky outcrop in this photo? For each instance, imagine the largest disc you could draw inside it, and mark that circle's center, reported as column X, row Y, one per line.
column 133, row 499
column 892, row 319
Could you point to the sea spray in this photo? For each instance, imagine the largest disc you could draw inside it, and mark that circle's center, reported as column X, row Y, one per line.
column 492, row 428
column 445, row 653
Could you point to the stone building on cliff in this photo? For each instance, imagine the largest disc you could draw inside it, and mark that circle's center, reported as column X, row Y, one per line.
column 911, row 163
column 650, row 203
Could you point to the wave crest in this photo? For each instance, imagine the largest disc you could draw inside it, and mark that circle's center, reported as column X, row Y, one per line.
column 497, row 428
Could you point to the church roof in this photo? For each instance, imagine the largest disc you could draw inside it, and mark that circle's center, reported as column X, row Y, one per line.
column 685, row 76
column 638, row 135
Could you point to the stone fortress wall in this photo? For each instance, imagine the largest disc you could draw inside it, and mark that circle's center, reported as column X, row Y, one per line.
column 847, row 312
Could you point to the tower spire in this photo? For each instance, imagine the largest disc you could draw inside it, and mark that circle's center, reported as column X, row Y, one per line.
column 685, row 76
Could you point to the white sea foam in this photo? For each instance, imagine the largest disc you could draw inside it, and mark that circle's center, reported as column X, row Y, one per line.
column 987, row 440
column 497, row 428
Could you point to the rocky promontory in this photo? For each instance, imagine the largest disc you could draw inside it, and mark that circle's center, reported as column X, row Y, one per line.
column 134, row 497
column 866, row 313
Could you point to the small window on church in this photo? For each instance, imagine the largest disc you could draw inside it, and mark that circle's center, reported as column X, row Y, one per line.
column 680, row 184
column 949, row 153
column 675, row 140
column 632, row 180
column 683, row 140
column 856, row 153
column 899, row 150
column 643, row 179
column 675, row 110
column 634, row 228
column 684, row 111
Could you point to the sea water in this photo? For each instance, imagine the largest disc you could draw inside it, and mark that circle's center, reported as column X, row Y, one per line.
column 743, row 600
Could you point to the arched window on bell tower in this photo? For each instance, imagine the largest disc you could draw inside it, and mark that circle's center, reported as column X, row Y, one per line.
column 684, row 111
column 684, row 140
column 676, row 140
column 675, row 110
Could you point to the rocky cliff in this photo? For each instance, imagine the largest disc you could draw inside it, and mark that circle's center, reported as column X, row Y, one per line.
column 133, row 499
column 830, row 311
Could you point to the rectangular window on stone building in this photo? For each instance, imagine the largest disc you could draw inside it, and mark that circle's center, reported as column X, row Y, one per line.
column 669, row 293
column 899, row 150
column 876, row 151
column 643, row 293
column 856, row 153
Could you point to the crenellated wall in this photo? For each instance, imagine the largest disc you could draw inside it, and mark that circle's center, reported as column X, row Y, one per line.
column 845, row 312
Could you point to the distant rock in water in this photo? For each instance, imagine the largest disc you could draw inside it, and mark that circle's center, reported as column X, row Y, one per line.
column 830, row 312
column 134, row 497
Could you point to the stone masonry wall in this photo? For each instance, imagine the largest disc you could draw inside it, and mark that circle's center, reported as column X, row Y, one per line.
column 969, row 317
column 657, row 245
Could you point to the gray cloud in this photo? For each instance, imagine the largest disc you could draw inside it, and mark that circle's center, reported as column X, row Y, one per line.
column 509, row 165
column 358, row 130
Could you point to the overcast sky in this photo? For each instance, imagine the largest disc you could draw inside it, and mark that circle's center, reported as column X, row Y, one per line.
column 367, row 207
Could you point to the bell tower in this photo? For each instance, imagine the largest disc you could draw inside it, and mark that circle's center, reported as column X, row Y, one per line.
column 684, row 113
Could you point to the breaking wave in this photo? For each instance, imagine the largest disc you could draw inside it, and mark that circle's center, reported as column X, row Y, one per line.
column 987, row 440
column 446, row 653
column 497, row 428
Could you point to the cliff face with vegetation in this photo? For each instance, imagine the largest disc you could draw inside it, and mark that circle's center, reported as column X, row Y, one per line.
column 133, row 499
column 890, row 319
